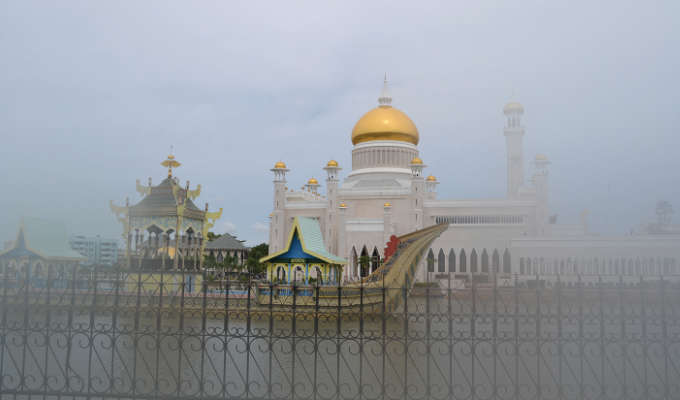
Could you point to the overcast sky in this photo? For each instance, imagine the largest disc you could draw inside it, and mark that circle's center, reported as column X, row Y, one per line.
column 94, row 93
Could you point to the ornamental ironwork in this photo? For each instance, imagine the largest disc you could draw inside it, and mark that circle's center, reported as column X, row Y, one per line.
column 131, row 334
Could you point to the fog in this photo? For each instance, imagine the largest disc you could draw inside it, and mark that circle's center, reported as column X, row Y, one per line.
column 94, row 94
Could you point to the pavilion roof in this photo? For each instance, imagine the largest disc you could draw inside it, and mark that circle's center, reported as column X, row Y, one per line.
column 225, row 242
column 308, row 232
column 161, row 200
column 44, row 239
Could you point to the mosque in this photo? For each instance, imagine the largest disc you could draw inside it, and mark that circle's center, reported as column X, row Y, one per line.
column 387, row 193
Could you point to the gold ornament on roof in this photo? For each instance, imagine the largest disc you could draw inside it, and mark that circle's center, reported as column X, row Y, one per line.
column 280, row 165
column 312, row 181
column 431, row 178
column 170, row 163
column 541, row 157
column 513, row 106
column 388, row 204
column 332, row 163
column 417, row 161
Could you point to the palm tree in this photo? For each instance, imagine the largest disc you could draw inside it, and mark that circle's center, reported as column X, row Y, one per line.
column 364, row 262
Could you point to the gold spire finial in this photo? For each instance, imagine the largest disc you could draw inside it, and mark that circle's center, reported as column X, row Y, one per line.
column 170, row 163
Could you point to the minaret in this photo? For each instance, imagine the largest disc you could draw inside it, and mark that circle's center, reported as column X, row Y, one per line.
column 431, row 187
column 514, row 132
column 332, row 168
column 417, row 193
column 278, row 215
column 540, row 180
column 312, row 185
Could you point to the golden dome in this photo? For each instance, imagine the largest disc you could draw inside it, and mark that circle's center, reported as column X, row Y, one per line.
column 513, row 106
column 332, row 163
column 431, row 178
column 343, row 205
column 385, row 123
column 312, row 181
column 417, row 160
column 387, row 204
column 541, row 157
column 280, row 164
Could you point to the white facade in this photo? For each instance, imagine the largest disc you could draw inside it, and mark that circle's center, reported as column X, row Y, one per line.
column 99, row 251
column 386, row 193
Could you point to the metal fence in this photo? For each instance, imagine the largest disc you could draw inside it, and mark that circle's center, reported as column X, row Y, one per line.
column 135, row 335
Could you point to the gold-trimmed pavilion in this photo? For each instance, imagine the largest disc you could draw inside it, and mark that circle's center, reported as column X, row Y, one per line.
column 166, row 228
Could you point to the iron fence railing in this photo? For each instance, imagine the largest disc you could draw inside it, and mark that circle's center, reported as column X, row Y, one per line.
column 140, row 335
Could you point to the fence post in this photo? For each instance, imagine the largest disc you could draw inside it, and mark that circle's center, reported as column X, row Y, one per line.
column 48, row 324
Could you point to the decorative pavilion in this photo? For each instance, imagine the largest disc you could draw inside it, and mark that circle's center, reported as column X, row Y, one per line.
column 40, row 251
column 304, row 259
column 166, row 228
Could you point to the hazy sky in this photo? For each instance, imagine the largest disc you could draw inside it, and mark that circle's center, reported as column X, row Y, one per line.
column 94, row 93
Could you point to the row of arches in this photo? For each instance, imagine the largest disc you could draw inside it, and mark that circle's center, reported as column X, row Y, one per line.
column 36, row 269
column 363, row 263
column 618, row 266
column 474, row 264
column 298, row 274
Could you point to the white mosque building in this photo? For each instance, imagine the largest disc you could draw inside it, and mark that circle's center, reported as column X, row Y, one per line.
column 387, row 193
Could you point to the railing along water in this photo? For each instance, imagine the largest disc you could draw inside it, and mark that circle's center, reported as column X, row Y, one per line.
column 114, row 334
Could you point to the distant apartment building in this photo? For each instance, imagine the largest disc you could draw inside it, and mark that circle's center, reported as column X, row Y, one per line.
column 99, row 251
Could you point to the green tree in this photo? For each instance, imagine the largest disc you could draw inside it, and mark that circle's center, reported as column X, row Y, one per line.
column 253, row 263
column 212, row 236
column 364, row 262
column 210, row 261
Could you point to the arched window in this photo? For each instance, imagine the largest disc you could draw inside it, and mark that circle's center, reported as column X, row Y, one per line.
column 37, row 270
column 507, row 262
column 317, row 275
column 354, row 259
column 364, row 262
column 452, row 261
column 375, row 259
column 462, row 265
column 473, row 261
column 485, row 262
column 495, row 262
column 441, row 261
column 280, row 274
column 430, row 261
column 298, row 274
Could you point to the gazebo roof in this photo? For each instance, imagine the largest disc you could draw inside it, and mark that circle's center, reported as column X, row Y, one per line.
column 44, row 239
column 305, row 240
column 161, row 201
column 225, row 242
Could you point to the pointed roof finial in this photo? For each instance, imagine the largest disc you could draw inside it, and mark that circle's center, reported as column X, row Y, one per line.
column 170, row 163
column 385, row 99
